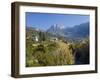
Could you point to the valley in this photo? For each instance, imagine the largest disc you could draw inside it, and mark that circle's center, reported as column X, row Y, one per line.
column 57, row 46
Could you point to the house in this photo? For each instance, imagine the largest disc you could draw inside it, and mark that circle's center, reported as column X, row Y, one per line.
column 53, row 39
column 35, row 38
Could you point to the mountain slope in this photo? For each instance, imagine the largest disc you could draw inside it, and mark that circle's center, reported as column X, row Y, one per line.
column 56, row 29
column 78, row 31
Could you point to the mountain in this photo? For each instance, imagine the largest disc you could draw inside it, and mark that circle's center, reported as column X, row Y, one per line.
column 56, row 29
column 76, row 32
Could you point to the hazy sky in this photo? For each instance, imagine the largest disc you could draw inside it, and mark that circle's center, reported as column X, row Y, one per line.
column 45, row 20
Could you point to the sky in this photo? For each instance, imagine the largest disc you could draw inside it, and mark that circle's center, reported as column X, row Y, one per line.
column 45, row 20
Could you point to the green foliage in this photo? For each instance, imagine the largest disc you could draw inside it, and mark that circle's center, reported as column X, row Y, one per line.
column 63, row 57
column 80, row 51
column 53, row 53
column 50, row 54
column 42, row 36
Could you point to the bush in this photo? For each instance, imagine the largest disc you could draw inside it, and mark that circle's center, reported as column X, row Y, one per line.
column 50, row 55
column 82, row 53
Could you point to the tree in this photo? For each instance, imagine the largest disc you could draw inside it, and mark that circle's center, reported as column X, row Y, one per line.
column 82, row 52
column 42, row 36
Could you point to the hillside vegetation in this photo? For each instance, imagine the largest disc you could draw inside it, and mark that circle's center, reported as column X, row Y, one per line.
column 47, row 51
column 50, row 54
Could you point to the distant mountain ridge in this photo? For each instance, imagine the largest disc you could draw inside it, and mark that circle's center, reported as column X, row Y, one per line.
column 78, row 31
column 56, row 29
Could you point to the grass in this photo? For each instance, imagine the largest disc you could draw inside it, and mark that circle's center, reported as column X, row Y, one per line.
column 49, row 53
